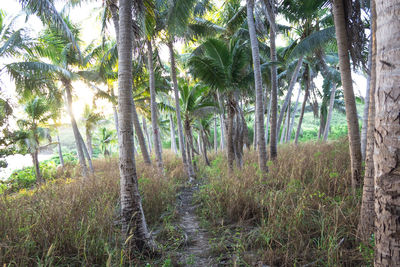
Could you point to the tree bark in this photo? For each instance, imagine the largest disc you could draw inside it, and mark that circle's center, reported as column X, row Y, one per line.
column 293, row 81
column 133, row 221
column 293, row 116
column 330, row 112
column 139, row 134
column 203, row 136
column 231, row 152
column 173, row 138
column 86, row 153
column 274, row 86
column 153, row 106
column 89, row 143
column 75, row 129
column 268, row 119
column 115, row 118
column 215, row 134
column 303, row 107
column 387, row 133
column 189, row 170
column 347, row 83
column 283, row 133
column 364, row 128
column 60, row 155
column 146, row 132
column 35, row 160
column 367, row 214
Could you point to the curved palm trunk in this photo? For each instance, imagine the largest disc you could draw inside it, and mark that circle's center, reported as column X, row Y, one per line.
column 139, row 134
column 114, row 15
column 293, row 116
column 387, row 132
column 173, row 138
column 274, row 86
column 364, row 128
column 60, row 155
column 347, row 83
column 367, row 214
column 35, row 161
column 178, row 111
column 132, row 217
column 153, row 107
column 330, row 112
column 293, row 81
column 303, row 107
column 75, row 129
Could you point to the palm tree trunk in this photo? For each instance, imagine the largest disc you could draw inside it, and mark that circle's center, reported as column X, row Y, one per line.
column 288, row 121
column 35, row 160
column 347, row 83
column 60, row 155
column 367, row 214
column 330, row 112
column 115, row 118
column 146, row 132
column 89, row 143
column 222, row 121
column 262, row 149
column 75, row 129
column 293, row 81
column 132, row 217
column 364, row 127
column 255, row 134
column 178, row 111
column 268, row 119
column 293, row 116
column 173, row 138
column 303, row 107
column 273, row 150
column 387, row 132
column 139, row 134
column 86, row 153
column 153, row 106
column 231, row 151
column 283, row 133
column 215, row 134
column 203, row 136
column 114, row 16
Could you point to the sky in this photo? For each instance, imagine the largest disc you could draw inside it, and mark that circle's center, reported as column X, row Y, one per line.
column 87, row 16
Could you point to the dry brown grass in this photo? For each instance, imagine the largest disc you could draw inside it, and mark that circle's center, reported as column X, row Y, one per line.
column 302, row 212
column 73, row 222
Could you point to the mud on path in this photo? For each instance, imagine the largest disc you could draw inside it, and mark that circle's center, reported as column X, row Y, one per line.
column 196, row 250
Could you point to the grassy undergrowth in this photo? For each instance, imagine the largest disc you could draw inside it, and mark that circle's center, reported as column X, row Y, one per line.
column 303, row 212
column 74, row 222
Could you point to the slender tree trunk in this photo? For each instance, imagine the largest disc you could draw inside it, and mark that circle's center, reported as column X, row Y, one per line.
column 288, row 121
column 60, row 155
column 283, row 133
column 215, row 134
column 293, row 81
column 153, row 106
column 293, row 116
column 274, row 85
column 178, row 111
column 255, row 133
column 89, row 143
column 203, row 136
column 347, row 83
column 133, row 221
column 231, row 151
column 387, row 133
column 75, row 129
column 146, row 132
column 330, row 112
column 116, row 118
column 303, row 108
column 367, row 214
column 139, row 134
column 115, row 17
column 35, row 160
column 173, row 138
column 366, row 105
column 86, row 153
column 268, row 119
column 222, row 121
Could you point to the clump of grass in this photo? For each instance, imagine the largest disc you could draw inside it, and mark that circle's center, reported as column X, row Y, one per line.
column 302, row 212
column 75, row 222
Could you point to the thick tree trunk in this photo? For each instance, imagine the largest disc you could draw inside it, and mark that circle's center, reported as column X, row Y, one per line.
column 347, row 83
column 35, row 161
column 133, row 221
column 173, row 138
column 330, row 112
column 293, row 81
column 274, row 86
column 153, row 106
column 303, row 108
column 387, row 133
column 75, row 129
column 215, row 134
column 293, row 116
column 60, row 155
column 188, row 168
column 139, row 134
column 367, row 214
column 364, row 127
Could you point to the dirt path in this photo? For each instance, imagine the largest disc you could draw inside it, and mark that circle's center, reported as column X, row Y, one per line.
column 196, row 250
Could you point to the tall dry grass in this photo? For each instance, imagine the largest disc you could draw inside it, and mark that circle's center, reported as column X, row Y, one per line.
column 302, row 212
column 74, row 222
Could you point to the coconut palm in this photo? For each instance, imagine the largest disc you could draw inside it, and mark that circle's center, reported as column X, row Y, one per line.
column 90, row 118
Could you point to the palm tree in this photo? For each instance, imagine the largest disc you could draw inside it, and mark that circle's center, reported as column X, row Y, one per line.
column 347, row 83
column 134, row 227
column 105, row 138
column 31, row 133
column 90, row 118
column 262, row 152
